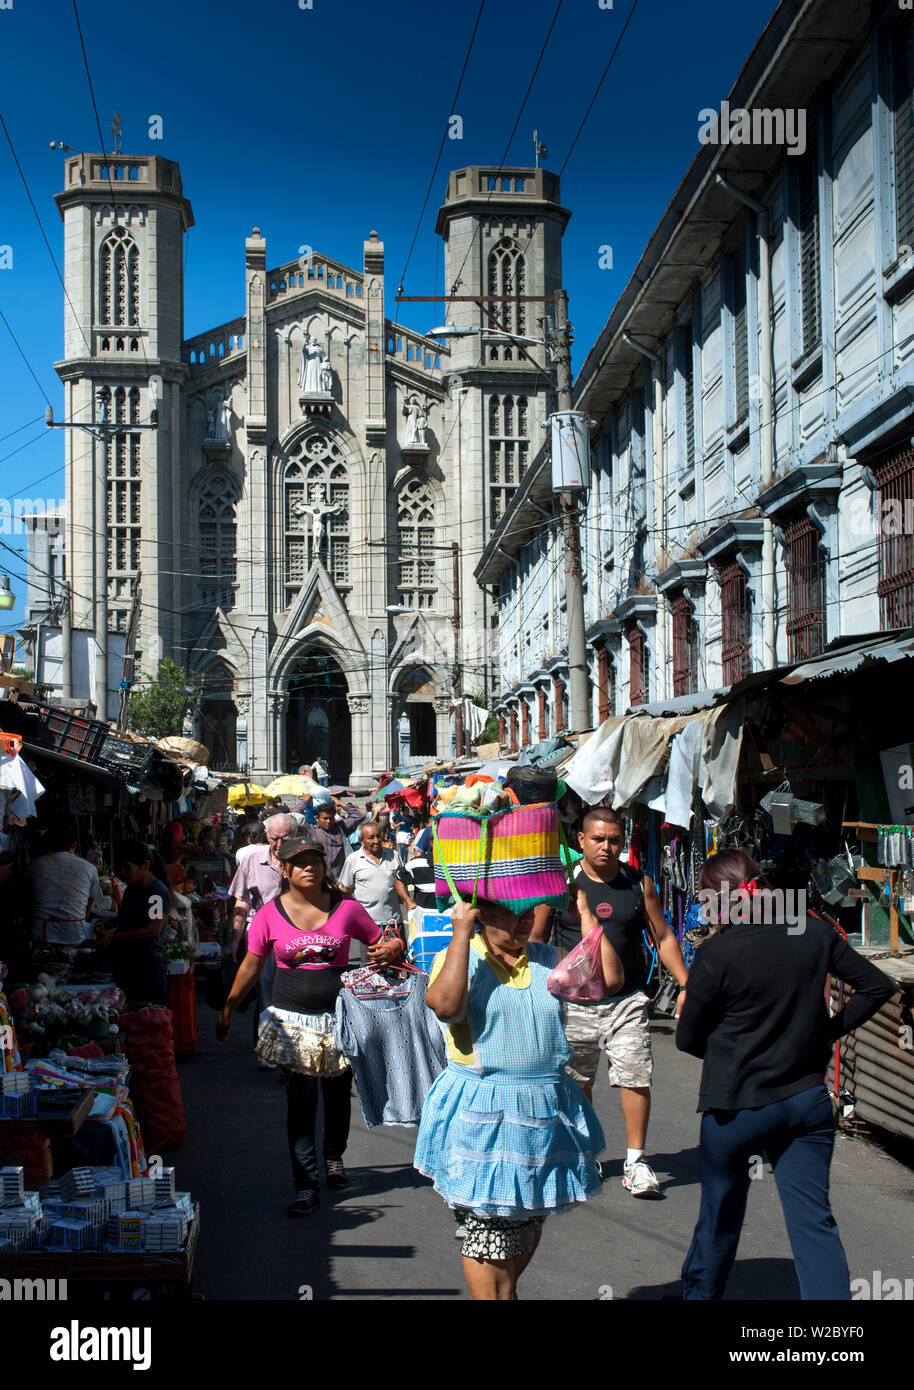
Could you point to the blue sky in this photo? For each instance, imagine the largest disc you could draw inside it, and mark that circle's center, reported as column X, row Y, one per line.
column 319, row 125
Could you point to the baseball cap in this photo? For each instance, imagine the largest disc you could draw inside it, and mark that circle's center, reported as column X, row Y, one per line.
column 298, row 845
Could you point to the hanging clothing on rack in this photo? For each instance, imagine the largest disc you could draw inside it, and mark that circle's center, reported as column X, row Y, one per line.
column 21, row 786
column 393, row 1043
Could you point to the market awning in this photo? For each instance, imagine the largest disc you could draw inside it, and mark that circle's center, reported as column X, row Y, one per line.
column 684, row 704
column 889, row 647
column 661, row 762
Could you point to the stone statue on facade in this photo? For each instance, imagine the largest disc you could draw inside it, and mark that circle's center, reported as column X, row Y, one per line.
column 416, row 425
column 311, row 372
column 318, row 509
column 219, row 420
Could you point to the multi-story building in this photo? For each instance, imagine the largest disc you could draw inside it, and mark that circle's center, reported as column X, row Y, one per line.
column 751, row 494
column 291, row 512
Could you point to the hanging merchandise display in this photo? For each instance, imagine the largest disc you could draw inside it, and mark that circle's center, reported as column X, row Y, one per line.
column 895, row 846
column 392, row 1041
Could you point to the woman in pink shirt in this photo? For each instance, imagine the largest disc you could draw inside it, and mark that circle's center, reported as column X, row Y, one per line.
column 308, row 928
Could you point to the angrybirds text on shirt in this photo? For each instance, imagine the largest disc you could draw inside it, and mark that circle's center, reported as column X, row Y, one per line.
column 312, row 949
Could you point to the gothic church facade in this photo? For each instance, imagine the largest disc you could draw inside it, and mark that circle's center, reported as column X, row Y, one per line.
column 292, row 512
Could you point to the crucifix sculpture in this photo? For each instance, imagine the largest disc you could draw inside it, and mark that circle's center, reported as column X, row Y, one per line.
column 318, row 509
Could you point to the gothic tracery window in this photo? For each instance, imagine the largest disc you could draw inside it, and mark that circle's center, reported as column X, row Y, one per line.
column 416, row 522
column 509, row 451
column 315, row 505
column 216, row 528
column 507, row 275
column 119, row 281
column 122, row 465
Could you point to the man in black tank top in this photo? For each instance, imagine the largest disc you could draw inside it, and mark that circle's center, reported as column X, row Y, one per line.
column 624, row 902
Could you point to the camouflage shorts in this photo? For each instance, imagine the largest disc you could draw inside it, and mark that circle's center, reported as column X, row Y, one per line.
column 618, row 1027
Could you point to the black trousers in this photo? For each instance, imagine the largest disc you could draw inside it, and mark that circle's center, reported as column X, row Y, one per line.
column 797, row 1136
column 302, row 1094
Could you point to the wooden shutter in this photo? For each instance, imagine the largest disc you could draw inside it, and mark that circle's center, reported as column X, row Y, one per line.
column 808, row 225
column 740, row 336
column 896, row 540
column 903, row 81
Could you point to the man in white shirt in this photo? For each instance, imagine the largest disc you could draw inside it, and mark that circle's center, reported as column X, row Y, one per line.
column 370, row 874
column 63, row 888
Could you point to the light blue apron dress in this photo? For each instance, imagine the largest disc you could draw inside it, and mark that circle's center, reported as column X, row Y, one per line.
column 512, row 1135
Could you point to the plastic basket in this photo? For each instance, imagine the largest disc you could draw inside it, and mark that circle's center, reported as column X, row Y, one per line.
column 77, row 737
column 126, row 758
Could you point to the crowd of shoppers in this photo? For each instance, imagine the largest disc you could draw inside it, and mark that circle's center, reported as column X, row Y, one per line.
column 508, row 1134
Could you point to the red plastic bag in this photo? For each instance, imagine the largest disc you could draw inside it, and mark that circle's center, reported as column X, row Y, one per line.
column 579, row 977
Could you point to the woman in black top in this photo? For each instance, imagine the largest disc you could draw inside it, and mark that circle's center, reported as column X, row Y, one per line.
column 756, row 1012
column 136, row 955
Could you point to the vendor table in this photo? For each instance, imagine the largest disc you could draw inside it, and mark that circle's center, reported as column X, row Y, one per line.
column 53, row 1123
column 161, row 1272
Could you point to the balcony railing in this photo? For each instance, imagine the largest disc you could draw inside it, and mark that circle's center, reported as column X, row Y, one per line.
column 209, row 349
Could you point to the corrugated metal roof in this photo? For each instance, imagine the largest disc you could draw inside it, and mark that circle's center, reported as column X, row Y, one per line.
column 889, row 647
column 683, row 704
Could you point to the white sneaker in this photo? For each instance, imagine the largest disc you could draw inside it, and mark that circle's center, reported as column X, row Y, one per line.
column 640, row 1179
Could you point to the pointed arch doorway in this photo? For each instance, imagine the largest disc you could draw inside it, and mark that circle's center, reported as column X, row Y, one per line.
column 318, row 723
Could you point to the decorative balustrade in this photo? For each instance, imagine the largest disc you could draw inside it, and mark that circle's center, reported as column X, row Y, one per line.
column 314, row 270
column 211, row 348
column 412, row 347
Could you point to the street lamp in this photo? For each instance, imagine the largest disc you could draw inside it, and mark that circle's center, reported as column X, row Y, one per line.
column 7, row 598
column 450, row 330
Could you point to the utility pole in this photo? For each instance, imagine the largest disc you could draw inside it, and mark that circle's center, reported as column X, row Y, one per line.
column 127, row 671
column 66, row 638
column 579, row 716
column 457, row 676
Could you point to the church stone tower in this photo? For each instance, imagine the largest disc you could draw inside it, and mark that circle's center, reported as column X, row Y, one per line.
column 124, row 220
column 502, row 230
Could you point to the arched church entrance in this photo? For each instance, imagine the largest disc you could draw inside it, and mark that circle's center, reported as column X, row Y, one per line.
column 318, row 721
column 415, row 733
column 219, row 719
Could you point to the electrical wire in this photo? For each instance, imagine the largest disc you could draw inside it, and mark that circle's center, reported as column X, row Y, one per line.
column 28, row 194
column 598, row 87
column 21, row 351
column 453, row 108
column 19, row 429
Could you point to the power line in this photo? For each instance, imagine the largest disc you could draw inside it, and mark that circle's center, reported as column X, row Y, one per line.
column 28, row 194
column 21, row 351
column 19, row 429
column 98, row 126
column 598, row 87
column 444, row 137
column 501, row 165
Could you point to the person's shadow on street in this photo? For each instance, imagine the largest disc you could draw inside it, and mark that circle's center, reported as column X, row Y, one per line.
column 750, row 1281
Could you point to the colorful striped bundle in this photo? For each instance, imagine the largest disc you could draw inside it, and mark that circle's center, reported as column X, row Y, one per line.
column 510, row 857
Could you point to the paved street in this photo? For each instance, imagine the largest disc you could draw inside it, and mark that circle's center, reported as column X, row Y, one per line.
column 389, row 1236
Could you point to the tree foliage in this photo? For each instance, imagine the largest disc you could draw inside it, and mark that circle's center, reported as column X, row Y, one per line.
column 159, row 710
column 490, row 732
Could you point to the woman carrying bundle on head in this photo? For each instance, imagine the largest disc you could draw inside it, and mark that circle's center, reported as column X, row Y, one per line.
column 506, row 1135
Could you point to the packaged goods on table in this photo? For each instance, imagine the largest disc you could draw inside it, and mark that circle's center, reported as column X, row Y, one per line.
column 86, row 1209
